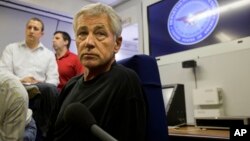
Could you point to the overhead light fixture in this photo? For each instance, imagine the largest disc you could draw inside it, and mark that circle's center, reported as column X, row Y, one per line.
column 112, row 3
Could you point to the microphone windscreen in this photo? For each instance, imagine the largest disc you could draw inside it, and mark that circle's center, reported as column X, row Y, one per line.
column 78, row 115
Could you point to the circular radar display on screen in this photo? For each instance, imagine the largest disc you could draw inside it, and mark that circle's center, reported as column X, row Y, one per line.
column 191, row 21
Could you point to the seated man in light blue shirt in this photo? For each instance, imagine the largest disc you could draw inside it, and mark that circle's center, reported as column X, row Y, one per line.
column 34, row 64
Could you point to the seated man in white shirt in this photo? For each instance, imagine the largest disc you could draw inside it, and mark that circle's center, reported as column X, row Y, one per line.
column 34, row 64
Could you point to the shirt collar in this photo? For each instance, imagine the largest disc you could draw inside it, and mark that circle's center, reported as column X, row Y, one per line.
column 40, row 45
column 65, row 55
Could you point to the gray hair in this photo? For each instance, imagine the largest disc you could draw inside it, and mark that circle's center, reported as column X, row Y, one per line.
column 98, row 9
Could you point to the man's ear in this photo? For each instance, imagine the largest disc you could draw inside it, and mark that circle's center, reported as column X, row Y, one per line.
column 42, row 33
column 66, row 42
column 118, row 44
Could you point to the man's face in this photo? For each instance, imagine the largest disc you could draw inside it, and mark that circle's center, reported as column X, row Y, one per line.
column 96, row 43
column 58, row 42
column 33, row 31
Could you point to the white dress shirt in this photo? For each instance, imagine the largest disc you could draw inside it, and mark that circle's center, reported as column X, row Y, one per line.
column 23, row 61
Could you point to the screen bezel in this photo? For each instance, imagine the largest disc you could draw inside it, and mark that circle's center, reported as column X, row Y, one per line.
column 215, row 49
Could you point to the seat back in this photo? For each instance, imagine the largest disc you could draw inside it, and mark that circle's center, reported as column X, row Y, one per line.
column 147, row 70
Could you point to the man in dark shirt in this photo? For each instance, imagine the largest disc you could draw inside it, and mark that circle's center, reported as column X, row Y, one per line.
column 111, row 92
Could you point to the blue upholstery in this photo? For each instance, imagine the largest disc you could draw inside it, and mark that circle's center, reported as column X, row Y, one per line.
column 30, row 131
column 147, row 70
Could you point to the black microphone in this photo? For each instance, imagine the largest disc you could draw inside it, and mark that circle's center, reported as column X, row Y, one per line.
column 77, row 114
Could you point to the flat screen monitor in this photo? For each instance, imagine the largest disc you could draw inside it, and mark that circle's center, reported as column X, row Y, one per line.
column 174, row 101
column 180, row 25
